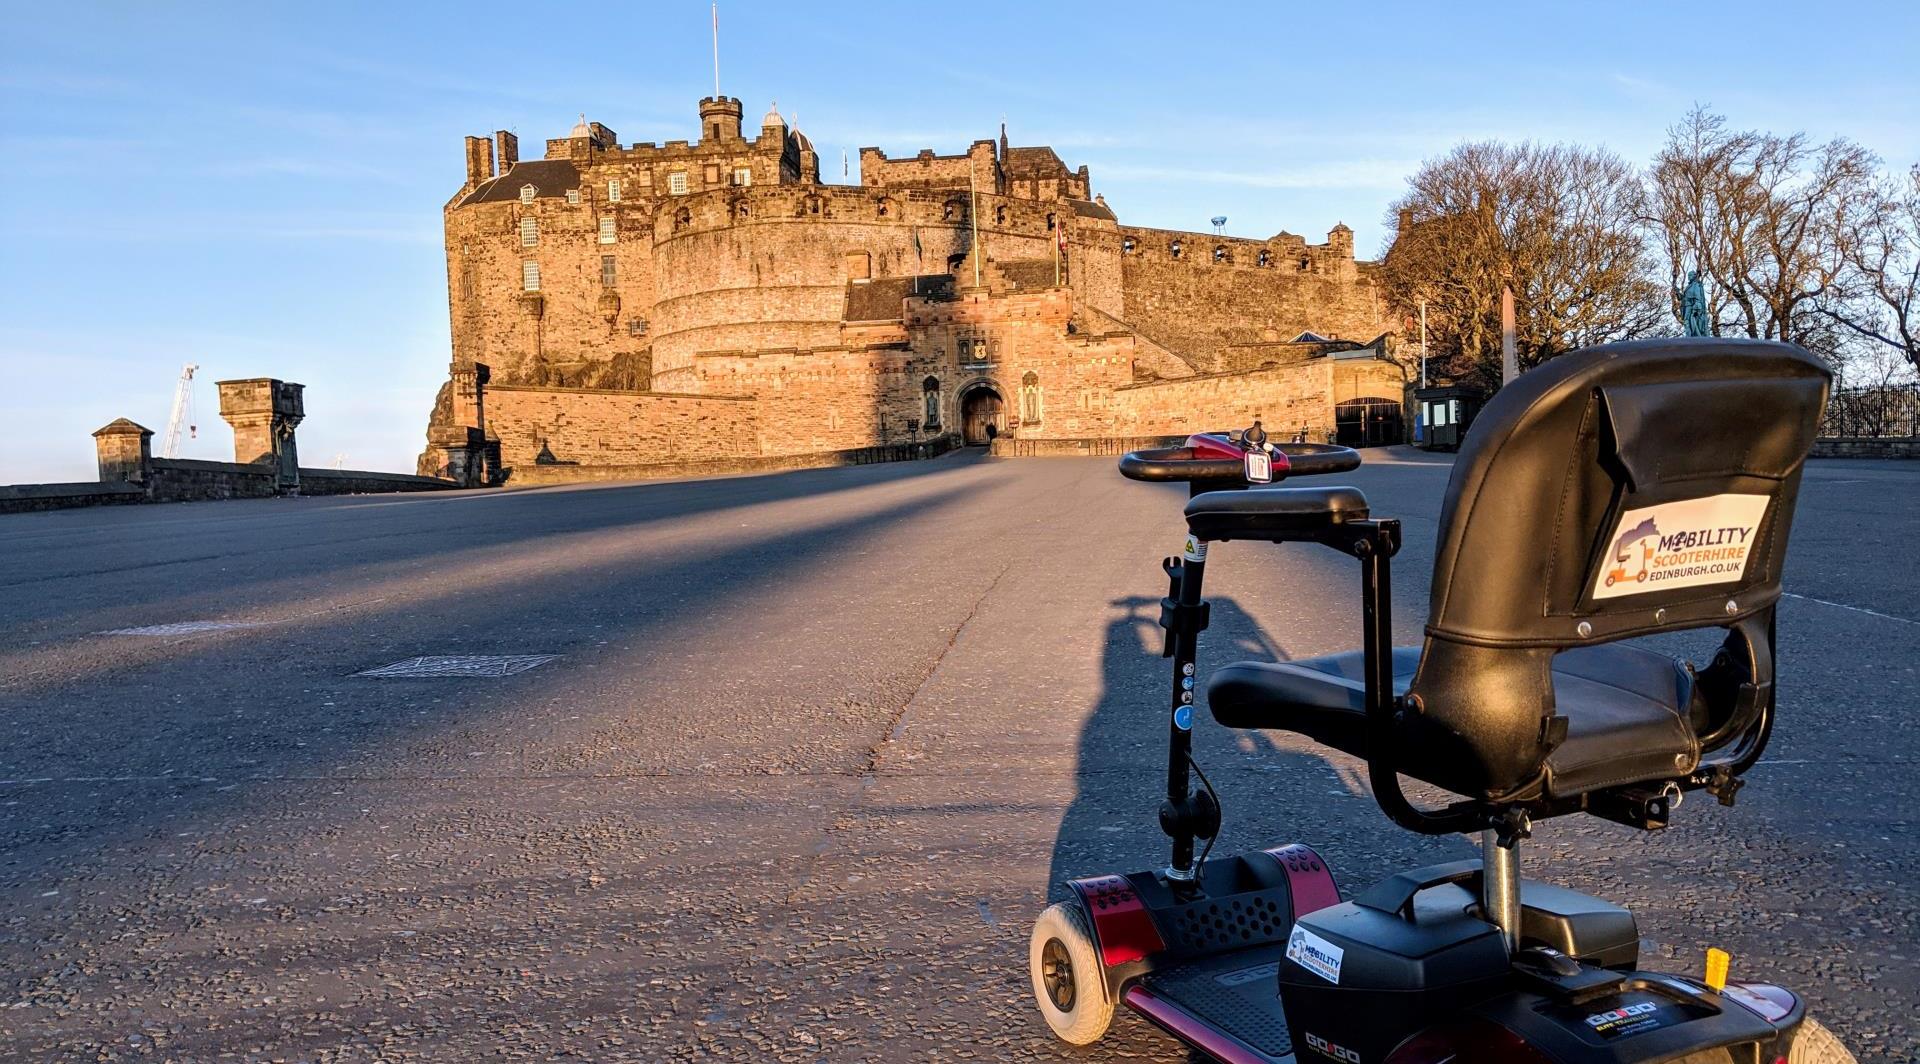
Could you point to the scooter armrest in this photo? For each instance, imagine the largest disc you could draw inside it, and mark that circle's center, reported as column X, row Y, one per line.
column 1276, row 515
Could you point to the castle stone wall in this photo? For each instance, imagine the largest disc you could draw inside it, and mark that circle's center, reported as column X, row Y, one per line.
column 1200, row 307
column 1284, row 400
column 618, row 428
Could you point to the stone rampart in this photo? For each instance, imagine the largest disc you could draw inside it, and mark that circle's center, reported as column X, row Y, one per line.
column 1867, row 447
column 586, row 427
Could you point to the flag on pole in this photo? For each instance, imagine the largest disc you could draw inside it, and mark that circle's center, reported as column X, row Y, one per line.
column 917, row 252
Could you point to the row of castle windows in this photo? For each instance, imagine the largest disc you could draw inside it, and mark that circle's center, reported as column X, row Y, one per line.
column 676, row 184
column 530, row 275
column 1220, row 254
column 530, row 231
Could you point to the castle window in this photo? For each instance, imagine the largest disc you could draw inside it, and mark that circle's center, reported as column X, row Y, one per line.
column 743, row 176
column 526, row 193
column 883, row 207
column 1126, row 246
column 677, row 182
column 636, row 327
column 613, row 190
column 608, row 271
column 1220, row 254
column 529, row 232
column 1174, row 248
column 682, row 218
column 607, row 235
column 573, row 197
column 1266, row 258
column 930, row 397
column 529, row 276
column 742, row 210
column 1306, row 263
column 1030, row 404
column 999, row 216
column 1050, row 223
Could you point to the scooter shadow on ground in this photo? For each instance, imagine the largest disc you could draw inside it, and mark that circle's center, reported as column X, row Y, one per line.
column 1111, row 824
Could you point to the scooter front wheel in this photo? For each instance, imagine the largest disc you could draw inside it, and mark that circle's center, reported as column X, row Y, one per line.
column 1069, row 984
column 1817, row 1045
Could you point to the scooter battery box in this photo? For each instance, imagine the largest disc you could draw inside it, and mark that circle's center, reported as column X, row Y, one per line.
column 1357, row 982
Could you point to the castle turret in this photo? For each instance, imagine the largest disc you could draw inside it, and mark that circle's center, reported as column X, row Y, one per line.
column 1340, row 240
column 809, row 159
column 719, row 118
column 773, row 125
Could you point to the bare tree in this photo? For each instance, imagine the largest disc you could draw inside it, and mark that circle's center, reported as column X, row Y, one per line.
column 1765, row 219
column 1560, row 223
column 1881, row 252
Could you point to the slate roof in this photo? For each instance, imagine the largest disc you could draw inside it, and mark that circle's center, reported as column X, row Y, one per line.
column 1090, row 209
column 549, row 177
column 1025, row 159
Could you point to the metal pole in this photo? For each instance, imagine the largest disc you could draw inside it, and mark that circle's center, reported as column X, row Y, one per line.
column 716, row 49
column 1500, row 885
column 1423, row 343
column 973, row 196
column 1186, row 647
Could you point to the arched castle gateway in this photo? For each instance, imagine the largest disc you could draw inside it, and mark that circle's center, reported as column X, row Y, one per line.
column 611, row 303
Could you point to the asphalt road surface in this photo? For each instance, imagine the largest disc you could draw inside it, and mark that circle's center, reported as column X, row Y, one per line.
column 810, row 754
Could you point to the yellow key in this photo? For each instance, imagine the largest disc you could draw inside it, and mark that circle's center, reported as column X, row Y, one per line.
column 1717, row 961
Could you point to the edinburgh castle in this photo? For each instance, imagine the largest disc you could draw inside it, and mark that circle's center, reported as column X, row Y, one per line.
column 618, row 307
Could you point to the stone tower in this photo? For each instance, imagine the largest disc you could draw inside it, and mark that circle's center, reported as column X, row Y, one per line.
column 719, row 119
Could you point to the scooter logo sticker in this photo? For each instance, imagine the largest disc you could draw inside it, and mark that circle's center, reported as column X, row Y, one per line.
column 1690, row 543
column 1329, row 1049
column 1315, row 954
column 1196, row 549
column 1627, row 1019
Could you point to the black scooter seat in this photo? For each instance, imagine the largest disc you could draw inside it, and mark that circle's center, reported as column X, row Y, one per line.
column 1626, row 711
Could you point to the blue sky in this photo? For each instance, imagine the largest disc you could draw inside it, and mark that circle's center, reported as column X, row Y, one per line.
column 257, row 187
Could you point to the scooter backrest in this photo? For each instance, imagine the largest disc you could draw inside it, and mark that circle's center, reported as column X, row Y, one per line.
column 1613, row 492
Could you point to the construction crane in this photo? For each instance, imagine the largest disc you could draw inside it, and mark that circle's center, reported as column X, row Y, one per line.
column 182, row 415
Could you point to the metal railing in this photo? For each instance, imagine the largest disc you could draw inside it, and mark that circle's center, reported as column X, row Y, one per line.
column 1874, row 412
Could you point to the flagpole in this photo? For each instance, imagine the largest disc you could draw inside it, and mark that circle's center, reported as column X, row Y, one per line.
column 973, row 194
column 716, row 49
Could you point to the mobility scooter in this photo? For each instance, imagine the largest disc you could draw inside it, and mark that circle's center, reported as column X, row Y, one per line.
column 1524, row 700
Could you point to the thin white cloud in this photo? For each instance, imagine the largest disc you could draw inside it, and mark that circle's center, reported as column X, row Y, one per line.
column 1358, row 173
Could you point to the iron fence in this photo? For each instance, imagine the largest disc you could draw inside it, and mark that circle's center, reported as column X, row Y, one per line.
column 1876, row 412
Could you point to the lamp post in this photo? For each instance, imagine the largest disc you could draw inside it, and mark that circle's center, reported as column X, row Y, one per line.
column 1423, row 343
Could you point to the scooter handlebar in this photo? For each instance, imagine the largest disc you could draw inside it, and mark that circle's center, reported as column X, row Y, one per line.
column 1314, row 459
column 1178, row 463
column 1193, row 464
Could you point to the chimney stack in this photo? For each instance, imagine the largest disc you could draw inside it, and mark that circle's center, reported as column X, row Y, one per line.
column 479, row 160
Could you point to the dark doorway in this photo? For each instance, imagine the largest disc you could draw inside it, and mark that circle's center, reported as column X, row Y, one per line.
column 980, row 407
column 1367, row 422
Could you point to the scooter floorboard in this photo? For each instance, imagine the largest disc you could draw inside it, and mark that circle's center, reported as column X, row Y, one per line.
column 1226, row 1005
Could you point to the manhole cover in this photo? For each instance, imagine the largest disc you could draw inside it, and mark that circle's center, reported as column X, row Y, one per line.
column 180, row 628
column 461, row 665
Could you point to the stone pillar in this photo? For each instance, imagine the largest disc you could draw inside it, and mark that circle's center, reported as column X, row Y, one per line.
column 469, row 393
column 264, row 413
column 124, row 450
column 459, row 450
